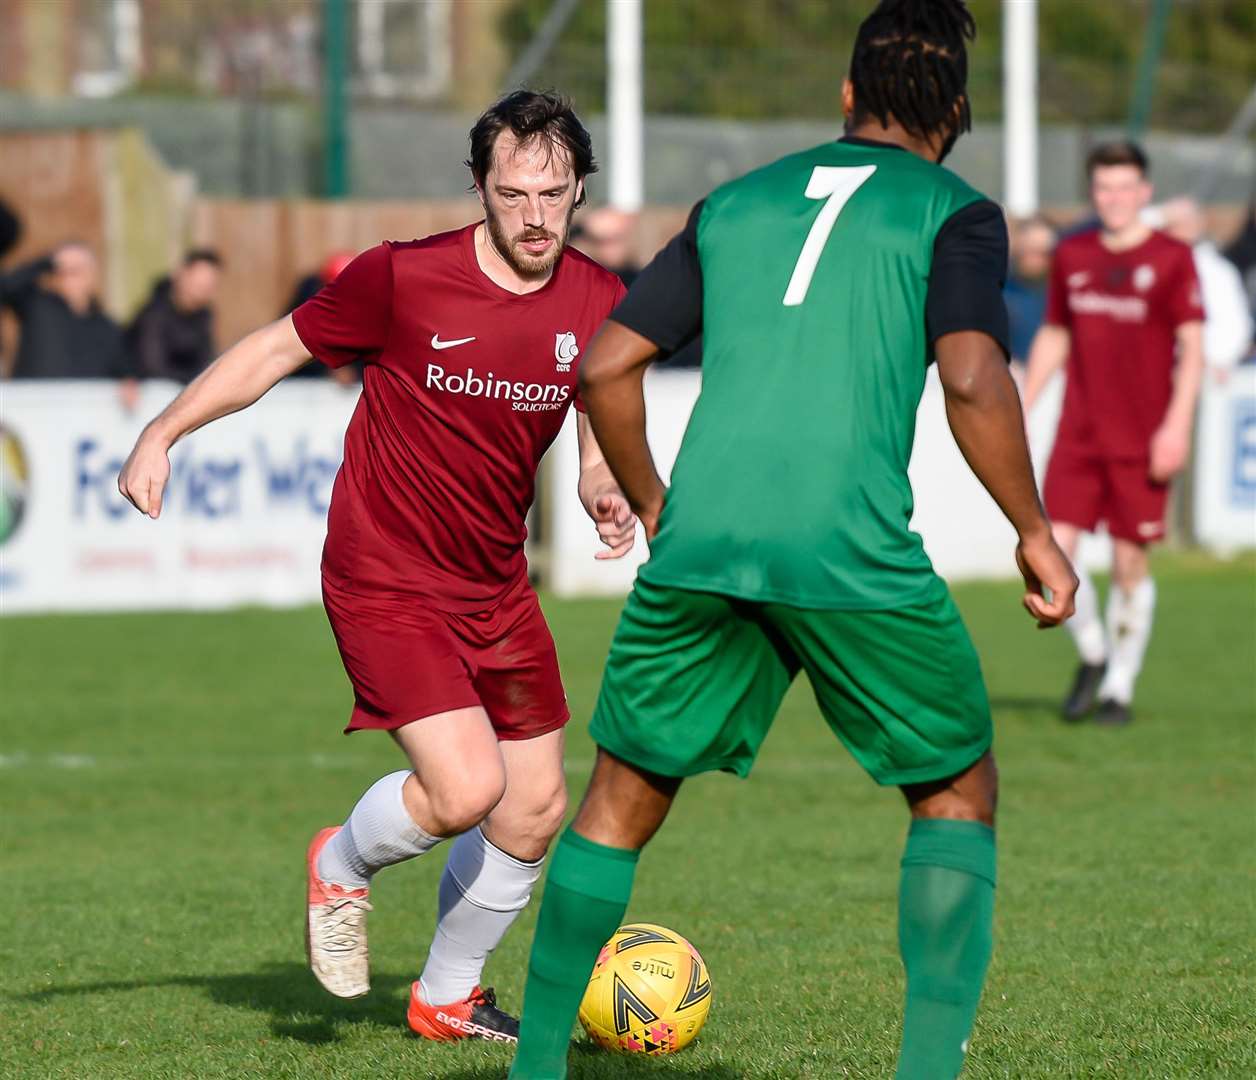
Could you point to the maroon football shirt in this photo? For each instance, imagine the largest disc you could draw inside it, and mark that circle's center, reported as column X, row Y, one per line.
column 1122, row 310
column 465, row 385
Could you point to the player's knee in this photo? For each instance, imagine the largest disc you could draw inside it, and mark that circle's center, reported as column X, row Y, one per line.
column 458, row 807
column 547, row 817
column 525, row 830
column 982, row 799
column 973, row 795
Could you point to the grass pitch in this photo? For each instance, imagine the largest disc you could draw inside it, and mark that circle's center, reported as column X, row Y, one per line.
column 161, row 775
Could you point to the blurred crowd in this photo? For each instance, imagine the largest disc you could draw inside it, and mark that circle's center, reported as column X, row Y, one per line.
column 64, row 332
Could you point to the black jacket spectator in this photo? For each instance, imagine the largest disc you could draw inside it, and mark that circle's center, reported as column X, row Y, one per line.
column 168, row 343
column 57, row 340
column 10, row 229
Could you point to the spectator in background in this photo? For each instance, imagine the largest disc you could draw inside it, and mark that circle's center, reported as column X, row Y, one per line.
column 1242, row 253
column 307, row 288
column 609, row 236
column 1033, row 243
column 10, row 229
column 172, row 337
column 1227, row 316
column 64, row 333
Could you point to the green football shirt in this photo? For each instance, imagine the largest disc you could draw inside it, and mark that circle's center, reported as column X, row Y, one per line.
column 818, row 283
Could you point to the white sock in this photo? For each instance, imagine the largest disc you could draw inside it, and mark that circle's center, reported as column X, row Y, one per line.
column 379, row 832
column 482, row 892
column 1085, row 625
column 1129, row 629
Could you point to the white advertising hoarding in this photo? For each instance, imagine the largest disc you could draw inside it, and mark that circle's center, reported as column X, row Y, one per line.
column 242, row 522
column 245, row 513
column 963, row 531
column 1225, row 463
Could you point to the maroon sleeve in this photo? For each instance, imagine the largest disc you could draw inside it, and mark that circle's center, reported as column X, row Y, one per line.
column 1057, row 294
column 619, row 293
column 1185, row 302
column 349, row 318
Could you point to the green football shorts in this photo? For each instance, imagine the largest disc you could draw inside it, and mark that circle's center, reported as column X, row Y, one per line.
column 694, row 681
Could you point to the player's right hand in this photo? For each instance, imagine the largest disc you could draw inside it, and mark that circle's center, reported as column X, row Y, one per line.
column 1050, row 582
column 143, row 477
column 649, row 518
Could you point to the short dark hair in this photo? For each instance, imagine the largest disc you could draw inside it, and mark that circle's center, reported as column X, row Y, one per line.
column 203, row 254
column 530, row 114
column 910, row 62
column 1117, row 152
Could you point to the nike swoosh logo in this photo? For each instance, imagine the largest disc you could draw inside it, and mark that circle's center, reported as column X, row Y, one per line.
column 438, row 344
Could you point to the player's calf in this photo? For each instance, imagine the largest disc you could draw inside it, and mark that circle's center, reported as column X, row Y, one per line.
column 340, row 863
column 945, row 916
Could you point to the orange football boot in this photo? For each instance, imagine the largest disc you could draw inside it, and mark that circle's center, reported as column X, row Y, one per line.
column 476, row 1018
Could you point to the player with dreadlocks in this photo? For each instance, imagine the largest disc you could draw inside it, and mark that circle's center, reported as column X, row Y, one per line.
column 824, row 285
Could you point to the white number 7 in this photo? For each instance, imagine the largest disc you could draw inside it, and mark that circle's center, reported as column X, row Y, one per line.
column 836, row 184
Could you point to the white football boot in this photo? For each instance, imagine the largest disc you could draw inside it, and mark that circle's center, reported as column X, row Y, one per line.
column 335, row 928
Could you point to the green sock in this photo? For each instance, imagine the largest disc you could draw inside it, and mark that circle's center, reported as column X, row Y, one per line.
column 945, row 935
column 586, row 895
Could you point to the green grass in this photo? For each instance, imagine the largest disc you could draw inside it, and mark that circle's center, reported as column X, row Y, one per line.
column 162, row 773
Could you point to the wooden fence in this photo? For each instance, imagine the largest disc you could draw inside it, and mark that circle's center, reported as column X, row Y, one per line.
column 109, row 189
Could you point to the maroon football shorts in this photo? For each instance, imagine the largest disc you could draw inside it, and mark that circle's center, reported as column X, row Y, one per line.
column 407, row 660
column 1084, row 489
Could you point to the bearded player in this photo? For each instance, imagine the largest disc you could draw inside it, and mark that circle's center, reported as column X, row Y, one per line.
column 823, row 285
column 470, row 343
column 1124, row 314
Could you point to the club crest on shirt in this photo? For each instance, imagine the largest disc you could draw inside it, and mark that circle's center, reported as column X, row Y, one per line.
column 1144, row 278
column 565, row 350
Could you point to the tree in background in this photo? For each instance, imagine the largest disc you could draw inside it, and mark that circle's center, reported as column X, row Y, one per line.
column 786, row 58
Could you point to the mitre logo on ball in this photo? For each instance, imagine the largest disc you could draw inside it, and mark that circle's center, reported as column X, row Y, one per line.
column 649, row 992
column 565, row 350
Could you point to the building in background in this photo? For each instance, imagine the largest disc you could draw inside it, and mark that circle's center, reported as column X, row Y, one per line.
column 231, row 89
column 429, row 52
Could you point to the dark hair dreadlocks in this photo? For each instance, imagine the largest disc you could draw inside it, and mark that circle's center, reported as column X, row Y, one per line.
column 911, row 63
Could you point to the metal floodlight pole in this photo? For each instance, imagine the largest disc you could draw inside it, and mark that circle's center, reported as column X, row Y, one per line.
column 1148, row 68
column 1020, row 106
column 335, row 99
column 625, row 104
column 539, row 48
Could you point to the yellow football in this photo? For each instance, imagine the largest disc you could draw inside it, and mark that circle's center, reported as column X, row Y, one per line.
column 649, row 992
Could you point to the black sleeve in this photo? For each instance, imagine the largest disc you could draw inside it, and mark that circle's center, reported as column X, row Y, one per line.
column 10, row 229
column 145, row 344
column 16, row 285
column 665, row 301
column 969, row 269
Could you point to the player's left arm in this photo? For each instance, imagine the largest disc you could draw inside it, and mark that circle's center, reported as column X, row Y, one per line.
column 1171, row 444
column 601, row 497
column 968, row 328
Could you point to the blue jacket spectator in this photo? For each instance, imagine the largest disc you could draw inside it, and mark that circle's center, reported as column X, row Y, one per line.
column 1032, row 243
